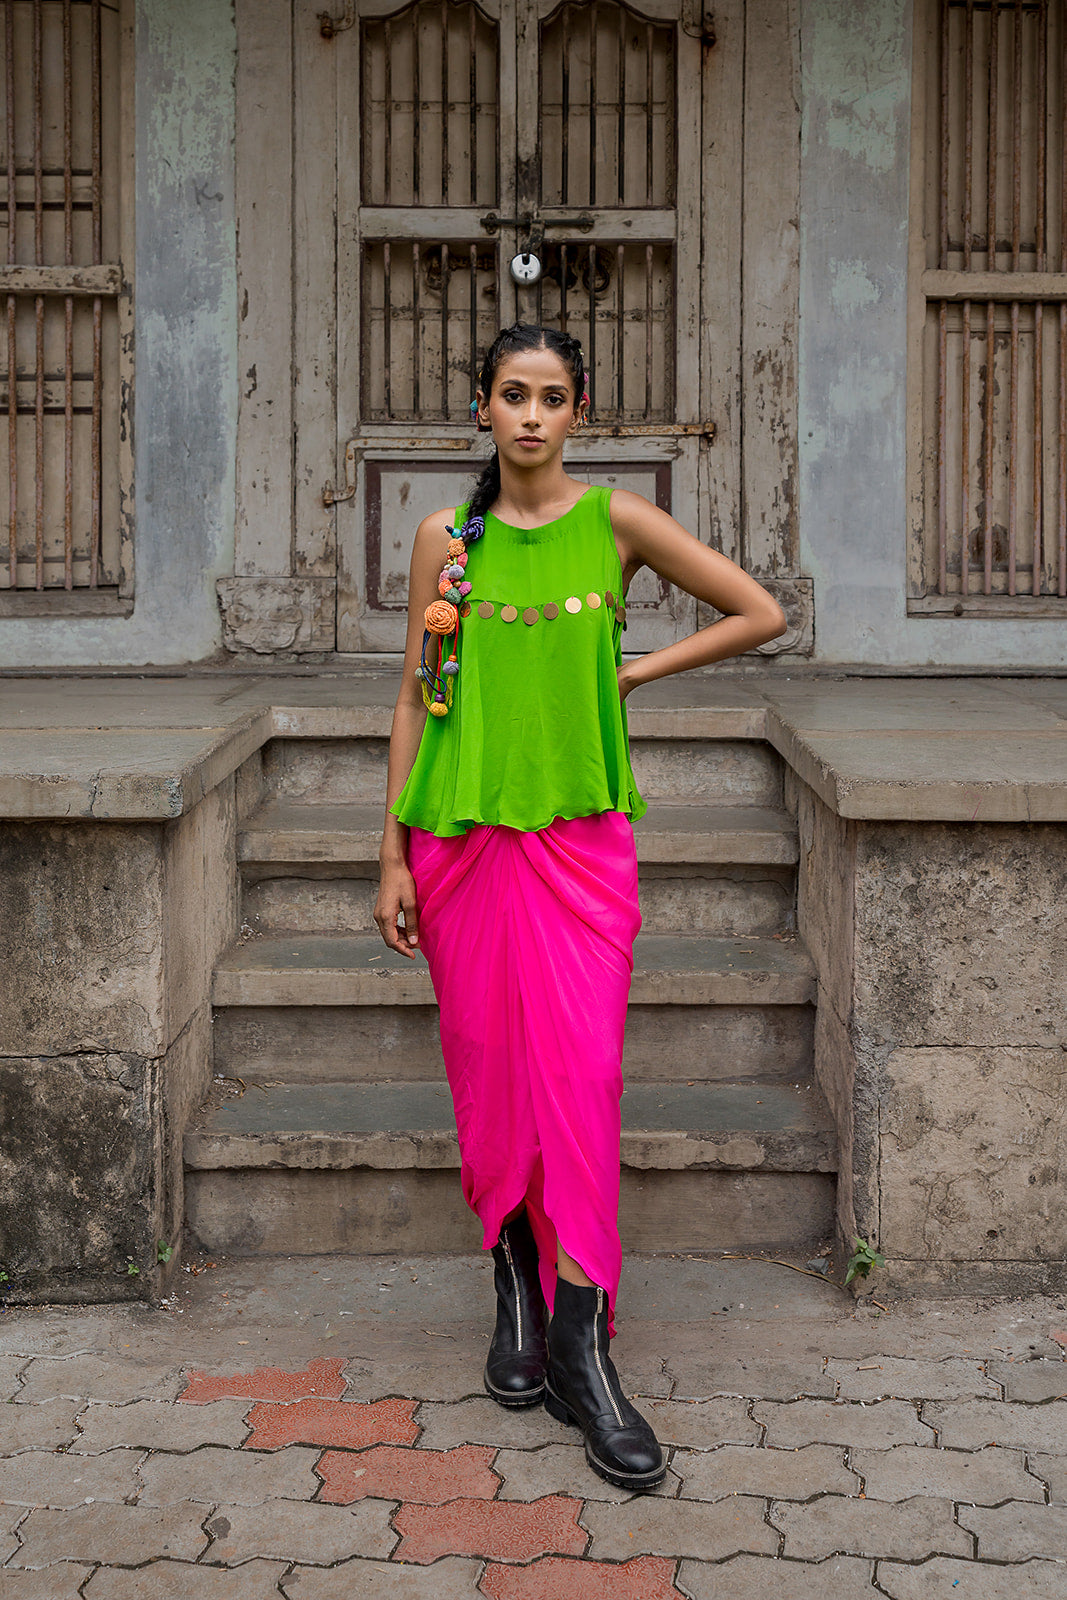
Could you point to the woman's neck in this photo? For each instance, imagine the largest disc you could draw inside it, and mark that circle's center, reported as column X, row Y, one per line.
column 534, row 497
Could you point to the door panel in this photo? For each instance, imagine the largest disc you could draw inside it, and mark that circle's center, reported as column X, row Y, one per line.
column 483, row 131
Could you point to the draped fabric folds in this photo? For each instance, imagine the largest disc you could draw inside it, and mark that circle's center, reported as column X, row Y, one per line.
column 529, row 939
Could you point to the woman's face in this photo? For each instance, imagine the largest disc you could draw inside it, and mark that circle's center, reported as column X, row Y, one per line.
column 532, row 407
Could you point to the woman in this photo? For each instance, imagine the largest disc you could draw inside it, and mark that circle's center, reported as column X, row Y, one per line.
column 508, row 857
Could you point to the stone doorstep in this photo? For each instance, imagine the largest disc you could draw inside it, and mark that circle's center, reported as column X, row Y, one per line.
column 730, row 1127
column 669, row 969
column 290, row 833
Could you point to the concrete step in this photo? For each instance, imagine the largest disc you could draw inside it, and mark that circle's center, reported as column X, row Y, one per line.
column 682, row 970
column 291, row 833
column 732, row 1127
column 302, row 1169
column 664, row 1043
column 726, row 870
column 709, row 770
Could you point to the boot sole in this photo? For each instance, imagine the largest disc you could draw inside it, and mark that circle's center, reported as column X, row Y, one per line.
column 512, row 1401
column 622, row 1480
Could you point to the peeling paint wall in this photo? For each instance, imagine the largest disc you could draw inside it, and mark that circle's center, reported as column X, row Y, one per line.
column 855, row 146
column 185, row 387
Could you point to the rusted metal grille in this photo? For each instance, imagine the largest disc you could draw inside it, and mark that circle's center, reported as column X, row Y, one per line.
column 428, row 309
column 429, row 107
column 618, row 299
column 608, row 126
column 608, row 122
column 996, row 312
column 60, row 283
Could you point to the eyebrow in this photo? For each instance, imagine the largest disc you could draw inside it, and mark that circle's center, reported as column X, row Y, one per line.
column 520, row 383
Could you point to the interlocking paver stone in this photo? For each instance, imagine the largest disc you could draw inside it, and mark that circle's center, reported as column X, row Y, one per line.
column 1016, row 1532
column 482, row 1421
column 774, row 1380
column 288, row 1530
column 425, row 1477
column 323, row 1378
column 159, row 1424
column 767, row 1578
column 214, row 1476
column 800, row 1422
column 1031, row 1380
column 447, row 1379
column 968, row 1425
column 178, row 1580
column 971, row 1580
column 560, row 1469
column 453, row 1578
column 43, row 1583
column 10, row 1367
column 10, row 1517
column 347, row 1424
column 644, row 1578
column 982, row 1477
column 885, row 1377
column 701, row 1424
column 97, row 1377
column 778, row 1474
column 44, row 1426
column 502, row 1530
column 906, row 1530
column 49, row 1478
column 678, row 1528
column 1054, row 1471
column 121, row 1535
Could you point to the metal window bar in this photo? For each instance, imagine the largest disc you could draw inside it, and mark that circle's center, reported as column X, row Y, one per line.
column 999, row 410
column 57, row 285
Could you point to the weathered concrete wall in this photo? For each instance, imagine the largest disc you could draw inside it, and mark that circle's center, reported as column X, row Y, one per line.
column 855, row 146
column 113, row 930
column 941, row 1041
column 185, row 385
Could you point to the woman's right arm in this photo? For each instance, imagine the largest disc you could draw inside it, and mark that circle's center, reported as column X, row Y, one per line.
column 395, row 912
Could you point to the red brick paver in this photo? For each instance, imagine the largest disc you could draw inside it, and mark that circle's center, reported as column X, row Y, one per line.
column 502, row 1530
column 324, row 1378
column 422, row 1477
column 645, row 1578
column 349, row 1424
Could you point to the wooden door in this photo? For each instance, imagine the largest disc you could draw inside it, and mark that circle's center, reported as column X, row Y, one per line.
column 470, row 132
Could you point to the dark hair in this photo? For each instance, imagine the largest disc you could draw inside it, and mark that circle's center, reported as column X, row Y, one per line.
column 508, row 342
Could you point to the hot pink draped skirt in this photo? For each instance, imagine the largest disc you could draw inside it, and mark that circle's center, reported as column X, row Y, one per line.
column 529, row 939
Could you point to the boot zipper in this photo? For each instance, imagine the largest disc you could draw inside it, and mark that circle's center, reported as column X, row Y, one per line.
column 518, row 1298
column 596, row 1355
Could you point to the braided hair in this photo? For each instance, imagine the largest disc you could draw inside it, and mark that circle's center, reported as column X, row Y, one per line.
column 508, row 342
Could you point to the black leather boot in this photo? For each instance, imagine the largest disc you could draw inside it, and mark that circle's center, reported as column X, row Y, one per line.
column 515, row 1368
column 582, row 1387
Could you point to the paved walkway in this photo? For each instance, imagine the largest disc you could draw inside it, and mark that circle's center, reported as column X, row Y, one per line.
column 315, row 1428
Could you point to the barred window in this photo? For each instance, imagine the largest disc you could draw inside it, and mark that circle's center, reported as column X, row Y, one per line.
column 990, row 530
column 66, row 434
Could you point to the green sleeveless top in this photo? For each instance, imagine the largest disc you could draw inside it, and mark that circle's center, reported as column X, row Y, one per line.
column 536, row 729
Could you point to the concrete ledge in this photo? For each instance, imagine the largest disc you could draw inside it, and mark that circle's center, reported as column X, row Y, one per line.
column 903, row 749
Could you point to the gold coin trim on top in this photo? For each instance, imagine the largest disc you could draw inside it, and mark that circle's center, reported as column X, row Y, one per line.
column 508, row 613
column 610, row 598
column 551, row 611
column 530, row 616
column 573, row 605
column 592, row 600
column 486, row 609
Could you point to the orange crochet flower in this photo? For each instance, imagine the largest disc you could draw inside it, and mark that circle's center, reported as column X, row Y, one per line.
column 456, row 547
column 442, row 617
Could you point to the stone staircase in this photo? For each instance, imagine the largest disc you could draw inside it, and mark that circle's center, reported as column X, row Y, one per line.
column 331, row 1128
